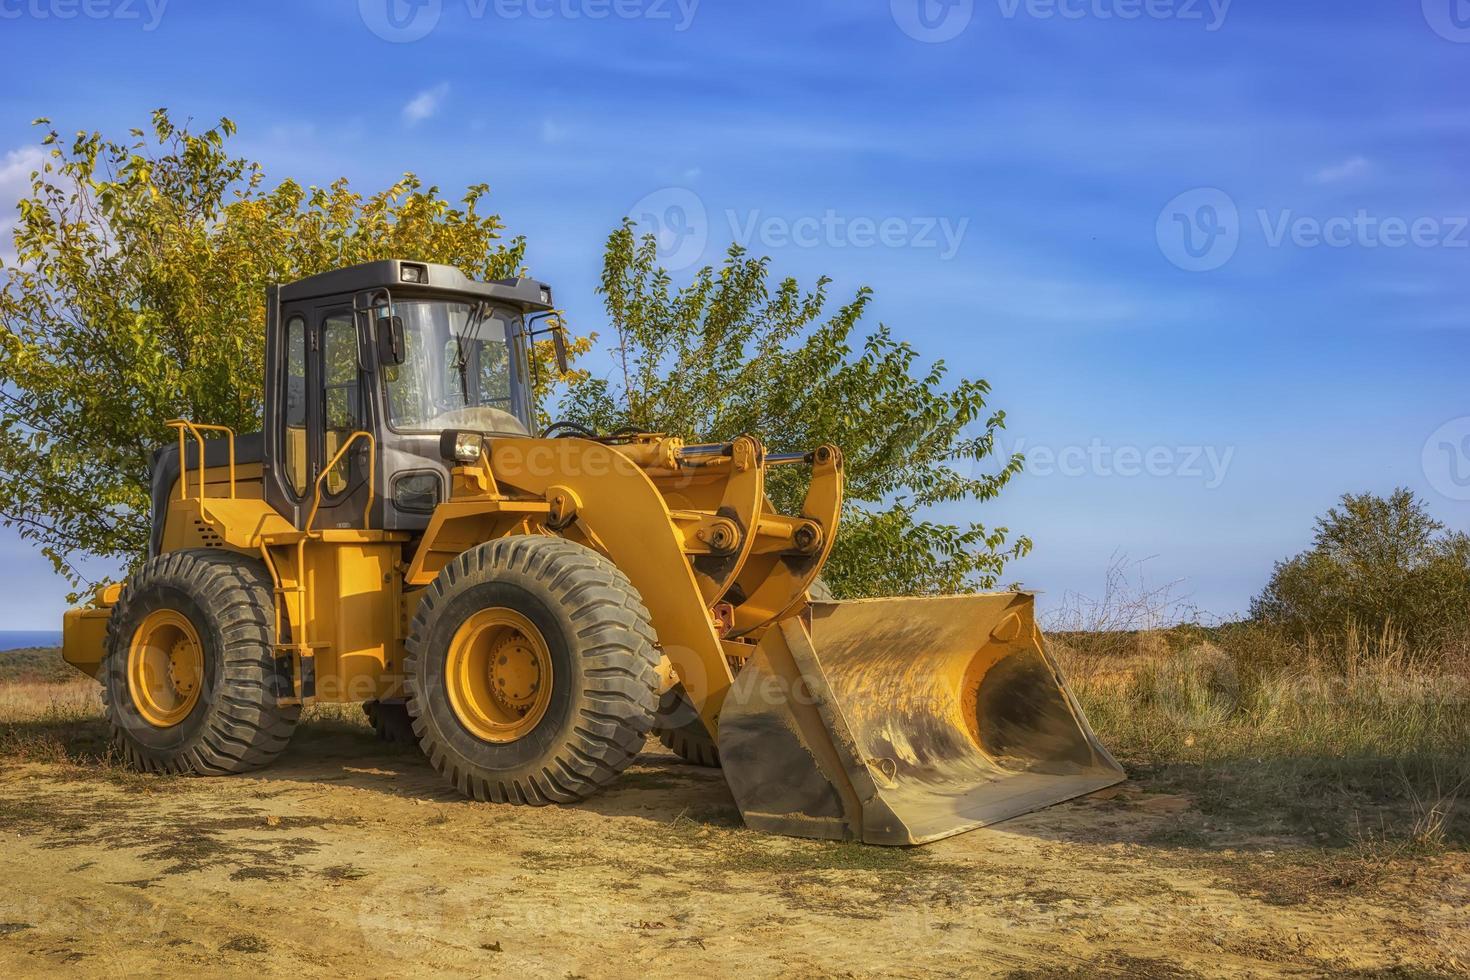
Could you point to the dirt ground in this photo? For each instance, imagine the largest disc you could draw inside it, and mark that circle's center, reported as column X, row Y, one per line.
column 349, row 857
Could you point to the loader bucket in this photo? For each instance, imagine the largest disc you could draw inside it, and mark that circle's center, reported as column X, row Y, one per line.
column 902, row 721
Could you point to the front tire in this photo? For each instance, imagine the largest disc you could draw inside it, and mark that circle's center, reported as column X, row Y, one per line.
column 532, row 671
column 189, row 679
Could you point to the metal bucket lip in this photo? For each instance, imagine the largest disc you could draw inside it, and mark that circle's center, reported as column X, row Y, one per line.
column 946, row 597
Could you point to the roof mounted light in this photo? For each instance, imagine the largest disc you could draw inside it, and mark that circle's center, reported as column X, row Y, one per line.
column 546, row 295
column 416, row 274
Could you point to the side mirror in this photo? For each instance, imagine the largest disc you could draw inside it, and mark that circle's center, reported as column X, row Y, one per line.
column 559, row 346
column 390, row 340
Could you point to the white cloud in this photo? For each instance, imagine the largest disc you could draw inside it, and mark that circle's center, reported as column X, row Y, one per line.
column 15, row 183
column 425, row 104
column 1346, row 170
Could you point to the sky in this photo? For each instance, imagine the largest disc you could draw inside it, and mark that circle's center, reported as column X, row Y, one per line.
column 1210, row 255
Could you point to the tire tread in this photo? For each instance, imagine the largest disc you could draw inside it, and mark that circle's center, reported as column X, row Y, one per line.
column 618, row 697
column 243, row 728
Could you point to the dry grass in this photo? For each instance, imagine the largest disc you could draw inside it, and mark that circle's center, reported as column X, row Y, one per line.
column 38, row 700
column 1362, row 742
column 51, row 716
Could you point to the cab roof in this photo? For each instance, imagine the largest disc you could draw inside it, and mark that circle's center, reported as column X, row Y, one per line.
column 425, row 278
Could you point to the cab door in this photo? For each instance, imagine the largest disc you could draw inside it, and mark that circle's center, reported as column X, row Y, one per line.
column 288, row 414
column 339, row 408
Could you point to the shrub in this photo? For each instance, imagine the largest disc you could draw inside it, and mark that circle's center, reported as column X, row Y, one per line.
column 1381, row 573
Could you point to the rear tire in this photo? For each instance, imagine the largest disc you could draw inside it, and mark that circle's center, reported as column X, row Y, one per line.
column 678, row 725
column 532, row 671
column 681, row 731
column 189, row 682
column 391, row 722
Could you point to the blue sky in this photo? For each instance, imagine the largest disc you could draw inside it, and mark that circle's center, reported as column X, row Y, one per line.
column 1212, row 257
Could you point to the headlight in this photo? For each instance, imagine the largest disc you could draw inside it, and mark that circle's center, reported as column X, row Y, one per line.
column 414, row 273
column 468, row 446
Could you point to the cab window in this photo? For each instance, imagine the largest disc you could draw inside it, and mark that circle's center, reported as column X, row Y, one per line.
column 295, row 414
column 342, row 394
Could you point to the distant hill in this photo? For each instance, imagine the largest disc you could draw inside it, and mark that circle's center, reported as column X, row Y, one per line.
column 35, row 664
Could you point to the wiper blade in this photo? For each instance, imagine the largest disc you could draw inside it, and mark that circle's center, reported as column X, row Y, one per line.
column 477, row 315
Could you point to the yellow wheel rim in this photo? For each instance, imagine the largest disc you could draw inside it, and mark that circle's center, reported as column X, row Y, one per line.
column 165, row 668
column 498, row 673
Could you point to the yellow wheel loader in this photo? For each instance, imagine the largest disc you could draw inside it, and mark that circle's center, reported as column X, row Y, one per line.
column 529, row 608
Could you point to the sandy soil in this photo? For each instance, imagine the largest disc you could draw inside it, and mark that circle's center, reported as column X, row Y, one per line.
column 348, row 857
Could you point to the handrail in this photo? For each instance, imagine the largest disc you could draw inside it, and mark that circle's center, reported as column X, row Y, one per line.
column 197, row 430
column 326, row 471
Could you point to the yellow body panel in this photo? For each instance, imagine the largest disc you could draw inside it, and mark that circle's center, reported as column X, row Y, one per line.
column 353, row 619
column 238, row 525
column 602, row 498
column 339, row 592
column 459, row 525
column 84, row 638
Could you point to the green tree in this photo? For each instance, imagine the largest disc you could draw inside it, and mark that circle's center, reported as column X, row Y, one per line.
column 137, row 296
column 1376, row 564
column 732, row 352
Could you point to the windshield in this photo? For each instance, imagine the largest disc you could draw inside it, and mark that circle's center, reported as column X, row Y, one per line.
column 456, row 372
